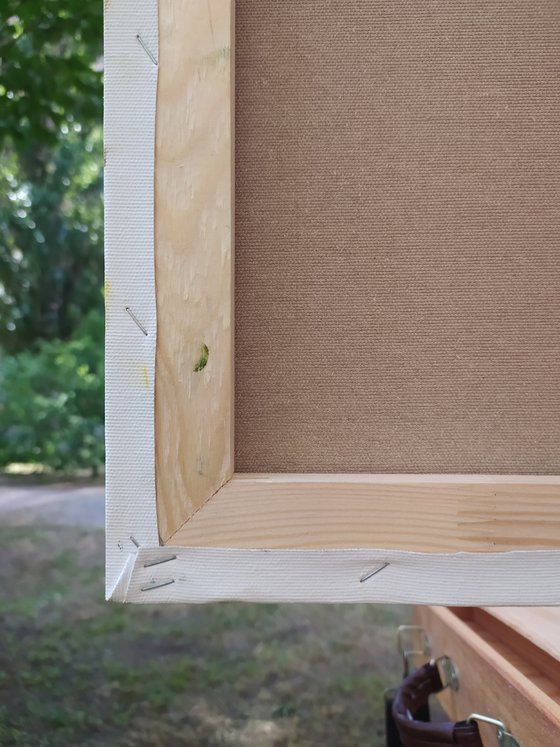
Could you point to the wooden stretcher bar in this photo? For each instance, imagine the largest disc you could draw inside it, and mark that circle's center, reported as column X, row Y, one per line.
column 201, row 499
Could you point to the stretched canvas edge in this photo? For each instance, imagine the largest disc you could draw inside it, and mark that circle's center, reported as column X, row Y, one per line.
column 199, row 575
column 131, row 54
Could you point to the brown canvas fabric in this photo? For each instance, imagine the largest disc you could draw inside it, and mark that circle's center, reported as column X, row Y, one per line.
column 397, row 239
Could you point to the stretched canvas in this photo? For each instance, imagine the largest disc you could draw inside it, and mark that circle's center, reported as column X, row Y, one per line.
column 333, row 301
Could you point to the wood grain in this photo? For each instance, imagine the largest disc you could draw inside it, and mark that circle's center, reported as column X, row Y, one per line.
column 193, row 257
column 494, row 679
column 539, row 625
column 407, row 512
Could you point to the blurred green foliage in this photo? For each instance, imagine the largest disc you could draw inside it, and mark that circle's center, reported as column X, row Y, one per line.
column 51, row 254
column 50, row 69
column 51, row 400
column 51, row 233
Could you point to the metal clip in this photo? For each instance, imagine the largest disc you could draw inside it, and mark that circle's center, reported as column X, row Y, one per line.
column 389, row 693
column 412, row 640
column 448, row 673
column 159, row 561
column 505, row 738
column 153, row 584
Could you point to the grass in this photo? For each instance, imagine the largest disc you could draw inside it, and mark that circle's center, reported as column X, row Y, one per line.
column 78, row 672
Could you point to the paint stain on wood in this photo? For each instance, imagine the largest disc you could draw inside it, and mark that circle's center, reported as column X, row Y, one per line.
column 200, row 365
column 213, row 59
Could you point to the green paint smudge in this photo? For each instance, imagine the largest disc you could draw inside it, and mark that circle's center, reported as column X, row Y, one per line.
column 203, row 359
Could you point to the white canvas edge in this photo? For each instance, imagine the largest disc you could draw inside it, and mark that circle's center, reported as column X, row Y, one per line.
column 131, row 53
column 179, row 574
column 138, row 569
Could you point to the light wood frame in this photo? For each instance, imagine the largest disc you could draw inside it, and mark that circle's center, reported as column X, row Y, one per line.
column 201, row 502
column 204, row 509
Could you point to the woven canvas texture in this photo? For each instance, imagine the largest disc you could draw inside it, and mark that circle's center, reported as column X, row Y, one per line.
column 397, row 240
column 129, row 127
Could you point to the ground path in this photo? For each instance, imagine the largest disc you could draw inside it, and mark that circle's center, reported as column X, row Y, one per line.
column 73, row 504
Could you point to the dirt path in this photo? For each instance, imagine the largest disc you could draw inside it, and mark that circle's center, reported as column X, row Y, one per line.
column 63, row 503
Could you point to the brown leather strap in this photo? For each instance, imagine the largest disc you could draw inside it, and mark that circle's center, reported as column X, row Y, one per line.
column 410, row 697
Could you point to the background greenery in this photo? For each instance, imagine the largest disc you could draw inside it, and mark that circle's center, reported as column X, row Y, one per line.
column 51, row 234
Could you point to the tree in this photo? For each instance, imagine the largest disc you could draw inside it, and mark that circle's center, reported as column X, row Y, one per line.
column 51, row 325
column 50, row 167
column 51, row 255
column 50, row 71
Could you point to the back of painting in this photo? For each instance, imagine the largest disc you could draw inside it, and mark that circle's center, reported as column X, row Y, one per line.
column 397, row 186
